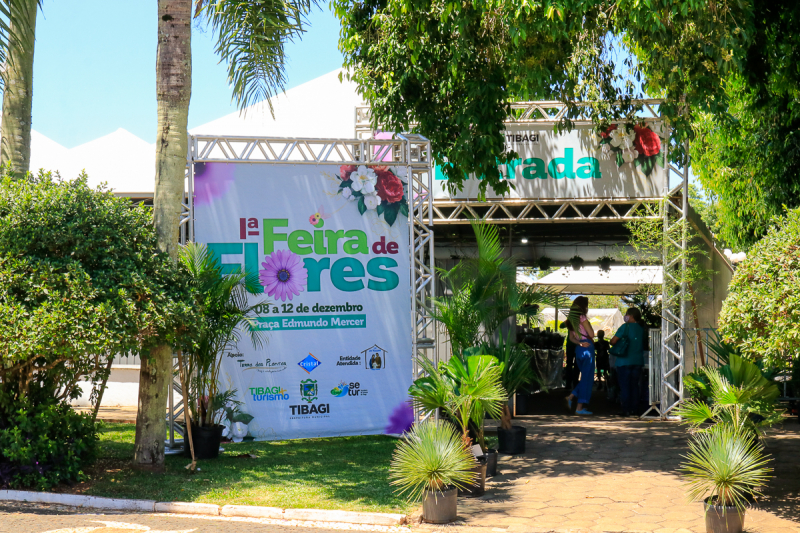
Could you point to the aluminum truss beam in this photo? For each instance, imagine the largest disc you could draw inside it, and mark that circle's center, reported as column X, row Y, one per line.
column 543, row 211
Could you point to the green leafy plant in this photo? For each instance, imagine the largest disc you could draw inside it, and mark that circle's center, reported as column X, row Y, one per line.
column 725, row 465
column 44, row 444
column 762, row 309
column 431, row 457
column 516, row 369
column 465, row 390
column 485, row 292
column 605, row 263
column 749, row 407
column 544, row 263
column 226, row 311
column 576, row 262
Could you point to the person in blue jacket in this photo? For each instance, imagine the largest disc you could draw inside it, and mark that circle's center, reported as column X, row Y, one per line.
column 629, row 367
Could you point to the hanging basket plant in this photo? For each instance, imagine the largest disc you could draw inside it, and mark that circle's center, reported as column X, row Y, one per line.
column 544, row 263
column 605, row 263
column 576, row 262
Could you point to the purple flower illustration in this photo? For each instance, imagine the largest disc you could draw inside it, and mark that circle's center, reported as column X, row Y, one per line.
column 401, row 419
column 284, row 275
column 211, row 180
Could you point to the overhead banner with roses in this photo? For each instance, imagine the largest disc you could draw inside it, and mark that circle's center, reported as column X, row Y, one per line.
column 330, row 247
column 624, row 161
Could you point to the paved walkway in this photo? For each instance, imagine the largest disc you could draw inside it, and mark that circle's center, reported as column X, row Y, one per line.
column 604, row 474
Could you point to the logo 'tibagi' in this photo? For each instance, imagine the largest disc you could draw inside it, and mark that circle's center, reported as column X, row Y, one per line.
column 309, row 363
column 308, row 390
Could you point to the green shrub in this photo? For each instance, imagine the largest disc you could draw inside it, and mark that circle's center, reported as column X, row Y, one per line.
column 762, row 310
column 43, row 445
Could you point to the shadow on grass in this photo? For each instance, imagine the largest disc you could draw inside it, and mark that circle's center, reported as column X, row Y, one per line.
column 334, row 473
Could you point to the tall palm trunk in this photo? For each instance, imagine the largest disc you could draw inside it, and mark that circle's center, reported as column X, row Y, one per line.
column 173, row 90
column 15, row 137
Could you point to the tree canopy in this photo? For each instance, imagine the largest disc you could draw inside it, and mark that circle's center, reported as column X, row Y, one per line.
column 451, row 68
column 81, row 278
column 762, row 310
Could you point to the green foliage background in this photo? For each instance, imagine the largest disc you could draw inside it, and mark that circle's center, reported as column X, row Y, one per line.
column 762, row 310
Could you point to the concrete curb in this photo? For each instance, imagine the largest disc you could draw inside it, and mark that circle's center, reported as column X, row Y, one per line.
column 208, row 509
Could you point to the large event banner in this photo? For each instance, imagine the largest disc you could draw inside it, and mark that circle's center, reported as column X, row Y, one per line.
column 620, row 162
column 331, row 247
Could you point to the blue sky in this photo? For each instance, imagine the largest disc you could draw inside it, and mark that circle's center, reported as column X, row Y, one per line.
column 94, row 68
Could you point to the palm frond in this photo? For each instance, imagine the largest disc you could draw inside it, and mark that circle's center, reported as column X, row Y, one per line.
column 251, row 35
column 431, row 457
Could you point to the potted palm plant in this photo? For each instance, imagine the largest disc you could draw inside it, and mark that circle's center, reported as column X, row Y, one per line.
column 725, row 468
column 223, row 301
column 465, row 391
column 431, row 463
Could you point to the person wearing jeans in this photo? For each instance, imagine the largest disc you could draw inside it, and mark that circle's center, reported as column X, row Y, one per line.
column 629, row 366
column 583, row 336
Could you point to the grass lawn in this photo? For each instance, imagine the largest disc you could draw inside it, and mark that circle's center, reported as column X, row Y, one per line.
column 348, row 473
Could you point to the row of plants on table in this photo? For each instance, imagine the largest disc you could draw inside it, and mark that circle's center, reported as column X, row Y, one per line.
column 448, row 453
column 730, row 409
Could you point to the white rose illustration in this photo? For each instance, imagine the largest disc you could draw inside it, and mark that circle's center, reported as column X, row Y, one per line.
column 371, row 201
column 364, row 179
column 347, row 193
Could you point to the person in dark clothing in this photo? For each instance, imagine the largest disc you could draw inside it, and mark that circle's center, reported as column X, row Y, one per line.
column 629, row 366
column 602, row 363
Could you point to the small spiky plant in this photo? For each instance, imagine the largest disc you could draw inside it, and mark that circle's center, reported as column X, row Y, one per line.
column 431, row 457
column 727, row 465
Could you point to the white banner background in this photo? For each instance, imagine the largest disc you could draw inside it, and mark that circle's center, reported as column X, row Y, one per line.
column 535, row 180
column 312, row 382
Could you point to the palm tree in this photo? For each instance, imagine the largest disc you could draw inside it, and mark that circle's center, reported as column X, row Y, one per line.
column 226, row 309
column 17, row 32
column 250, row 37
column 485, row 292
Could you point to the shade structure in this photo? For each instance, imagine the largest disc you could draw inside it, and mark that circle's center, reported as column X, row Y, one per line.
column 592, row 280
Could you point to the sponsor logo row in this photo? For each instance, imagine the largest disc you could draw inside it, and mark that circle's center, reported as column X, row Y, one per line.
column 309, row 393
column 373, row 358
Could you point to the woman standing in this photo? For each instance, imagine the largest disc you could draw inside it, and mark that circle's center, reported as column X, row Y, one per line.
column 629, row 366
column 582, row 334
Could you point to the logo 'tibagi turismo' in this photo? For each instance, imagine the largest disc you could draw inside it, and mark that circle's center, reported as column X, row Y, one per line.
column 344, row 389
column 308, row 390
column 309, row 363
column 268, row 394
column 374, row 358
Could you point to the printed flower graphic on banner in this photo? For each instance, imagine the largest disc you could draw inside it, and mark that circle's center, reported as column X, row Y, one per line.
column 211, row 181
column 374, row 189
column 635, row 144
column 401, row 419
column 318, row 219
column 284, row 275
column 363, row 180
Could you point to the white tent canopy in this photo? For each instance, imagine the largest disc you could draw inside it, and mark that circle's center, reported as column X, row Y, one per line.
column 592, row 280
column 323, row 107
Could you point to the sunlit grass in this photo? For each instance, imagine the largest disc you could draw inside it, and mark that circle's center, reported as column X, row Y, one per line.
column 349, row 473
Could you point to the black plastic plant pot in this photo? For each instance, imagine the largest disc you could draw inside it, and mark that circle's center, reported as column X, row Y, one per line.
column 479, row 486
column 491, row 463
column 206, row 442
column 512, row 441
column 521, row 403
column 723, row 519
column 440, row 506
